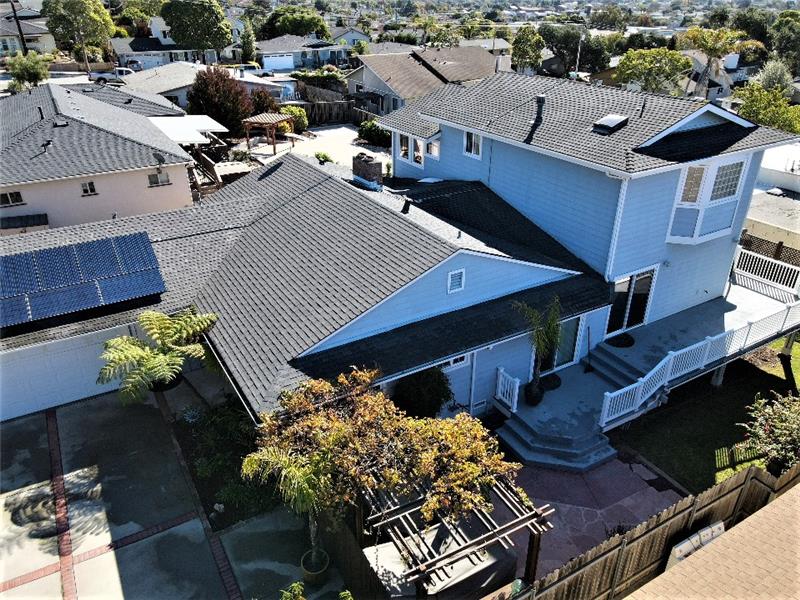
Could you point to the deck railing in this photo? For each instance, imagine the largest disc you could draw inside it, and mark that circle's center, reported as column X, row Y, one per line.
column 629, row 400
column 506, row 392
column 764, row 275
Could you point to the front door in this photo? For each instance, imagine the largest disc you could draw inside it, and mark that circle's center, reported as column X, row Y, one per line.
column 630, row 302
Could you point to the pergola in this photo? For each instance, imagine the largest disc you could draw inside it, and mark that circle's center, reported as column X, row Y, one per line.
column 268, row 121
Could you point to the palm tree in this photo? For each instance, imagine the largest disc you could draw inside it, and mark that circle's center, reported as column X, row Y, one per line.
column 142, row 364
column 545, row 329
column 716, row 44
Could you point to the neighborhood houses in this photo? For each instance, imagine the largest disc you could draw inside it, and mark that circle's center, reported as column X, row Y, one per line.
column 358, row 301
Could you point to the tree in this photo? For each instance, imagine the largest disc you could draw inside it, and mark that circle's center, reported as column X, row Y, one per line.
column 427, row 24
column 785, row 36
column 768, row 107
column 423, row 394
column 611, row 17
column 78, row 22
column 216, row 94
column 718, row 17
column 300, row 123
column 775, row 75
column 263, row 102
column 142, row 364
column 151, row 8
column 294, row 20
column 562, row 41
column 445, row 36
column 503, row 32
column 321, row 6
column 594, row 55
column 716, row 44
column 360, row 47
column 774, row 430
column 470, row 30
column 248, row 41
column 197, row 24
column 29, row 70
column 656, row 70
column 545, row 329
column 754, row 22
column 526, row 49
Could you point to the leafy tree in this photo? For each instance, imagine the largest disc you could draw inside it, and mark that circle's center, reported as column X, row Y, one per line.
column 768, row 107
column 197, row 24
column 322, row 6
column 141, row 364
column 361, row 47
column 216, row 94
column 364, row 23
column 151, row 8
column 785, row 36
column 340, row 22
column 405, row 38
column 526, row 50
column 774, row 430
column 775, row 75
column 611, row 17
column 300, row 123
column 470, row 29
column 135, row 22
column 83, row 22
column 545, row 329
column 754, row 22
column 503, row 32
column 294, row 20
column 716, row 44
column 263, row 101
column 594, row 56
column 423, row 394
column 717, row 17
column 248, row 41
column 655, row 70
column 427, row 24
column 29, row 70
column 562, row 41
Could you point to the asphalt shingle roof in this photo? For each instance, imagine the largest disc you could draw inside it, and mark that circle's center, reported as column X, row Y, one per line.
column 51, row 133
column 505, row 105
column 139, row 102
column 407, row 76
column 390, row 48
column 164, row 78
column 458, row 63
column 142, row 44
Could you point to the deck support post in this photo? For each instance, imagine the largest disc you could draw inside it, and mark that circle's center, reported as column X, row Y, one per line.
column 532, row 558
column 719, row 374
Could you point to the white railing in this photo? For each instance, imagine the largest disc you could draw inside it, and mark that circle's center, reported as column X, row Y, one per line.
column 506, row 392
column 757, row 271
column 629, row 400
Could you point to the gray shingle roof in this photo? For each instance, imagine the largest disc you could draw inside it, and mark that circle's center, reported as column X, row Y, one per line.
column 293, row 43
column 29, row 28
column 142, row 44
column 164, row 78
column 458, row 64
column 86, row 136
column 390, row 48
column 319, row 254
column 505, row 105
column 403, row 73
column 139, row 102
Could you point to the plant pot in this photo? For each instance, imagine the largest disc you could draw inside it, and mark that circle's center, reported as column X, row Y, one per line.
column 533, row 396
column 550, row 382
column 315, row 576
column 158, row 386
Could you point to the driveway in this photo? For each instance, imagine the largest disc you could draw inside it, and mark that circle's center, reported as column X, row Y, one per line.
column 120, row 523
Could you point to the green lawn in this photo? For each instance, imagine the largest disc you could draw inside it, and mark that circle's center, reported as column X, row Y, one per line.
column 694, row 438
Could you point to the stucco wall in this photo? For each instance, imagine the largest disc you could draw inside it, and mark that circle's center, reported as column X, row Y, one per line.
column 124, row 193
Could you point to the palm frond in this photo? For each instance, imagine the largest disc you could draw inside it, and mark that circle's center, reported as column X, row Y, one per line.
column 297, row 480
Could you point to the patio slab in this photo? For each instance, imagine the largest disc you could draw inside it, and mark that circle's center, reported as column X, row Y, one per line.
column 28, row 539
column 173, row 564
column 121, row 473
column 24, row 452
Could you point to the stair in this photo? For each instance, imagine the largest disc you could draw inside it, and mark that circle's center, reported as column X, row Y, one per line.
column 611, row 367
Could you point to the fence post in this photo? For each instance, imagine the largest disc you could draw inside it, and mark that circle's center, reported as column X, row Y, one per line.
column 617, row 568
column 498, row 386
column 746, row 335
column 740, row 499
column 694, row 510
column 778, row 251
column 706, row 351
column 604, row 412
column 668, row 370
column 532, row 558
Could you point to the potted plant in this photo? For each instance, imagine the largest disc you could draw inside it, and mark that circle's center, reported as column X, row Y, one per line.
column 544, row 333
column 323, row 157
column 155, row 364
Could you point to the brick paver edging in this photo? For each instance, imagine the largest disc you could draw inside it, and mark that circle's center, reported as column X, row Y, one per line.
column 69, row 590
column 10, row 584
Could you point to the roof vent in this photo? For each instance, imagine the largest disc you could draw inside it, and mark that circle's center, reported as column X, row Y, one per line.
column 60, row 123
column 609, row 124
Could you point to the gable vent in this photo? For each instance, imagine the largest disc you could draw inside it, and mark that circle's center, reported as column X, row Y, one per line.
column 609, row 124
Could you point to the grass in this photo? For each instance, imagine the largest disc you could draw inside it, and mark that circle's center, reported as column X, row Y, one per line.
column 695, row 438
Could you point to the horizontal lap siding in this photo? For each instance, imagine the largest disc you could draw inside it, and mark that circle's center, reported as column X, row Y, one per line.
column 514, row 356
column 452, row 163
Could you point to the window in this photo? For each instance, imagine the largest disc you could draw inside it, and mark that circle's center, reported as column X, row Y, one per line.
column 395, row 103
column 10, row 198
column 691, row 187
column 726, row 183
column 411, row 150
column 87, row 189
column 567, row 342
column 404, row 146
column 433, row 148
column 630, row 300
column 417, row 151
column 455, row 363
column 359, row 88
column 455, row 281
column 472, row 144
column 156, row 179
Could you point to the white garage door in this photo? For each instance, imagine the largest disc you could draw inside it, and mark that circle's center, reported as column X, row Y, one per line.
column 278, row 62
column 38, row 377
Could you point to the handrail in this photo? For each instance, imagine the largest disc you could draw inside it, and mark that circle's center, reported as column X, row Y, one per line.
column 630, row 399
column 506, row 390
column 767, row 270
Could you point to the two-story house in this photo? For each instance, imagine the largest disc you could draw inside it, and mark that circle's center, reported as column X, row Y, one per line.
column 156, row 50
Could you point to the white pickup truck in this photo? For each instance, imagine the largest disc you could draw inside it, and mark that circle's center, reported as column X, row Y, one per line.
column 105, row 76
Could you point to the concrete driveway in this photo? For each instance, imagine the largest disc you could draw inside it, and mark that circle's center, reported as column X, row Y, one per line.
column 120, row 523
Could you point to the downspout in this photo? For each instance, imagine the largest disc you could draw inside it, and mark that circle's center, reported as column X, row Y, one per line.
column 612, row 248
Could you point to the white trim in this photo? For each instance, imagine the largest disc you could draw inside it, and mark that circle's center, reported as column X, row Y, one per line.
column 578, row 338
column 448, row 366
column 474, row 368
column 411, row 142
column 450, row 275
column 655, row 268
column 517, row 261
column 612, row 247
column 98, row 174
column 479, row 155
column 687, row 119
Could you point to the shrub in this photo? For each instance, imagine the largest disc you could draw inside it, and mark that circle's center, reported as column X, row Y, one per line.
column 263, row 102
column 93, row 53
column 423, row 394
column 216, row 94
column 300, row 117
column 371, row 132
column 323, row 157
column 774, row 430
column 120, row 32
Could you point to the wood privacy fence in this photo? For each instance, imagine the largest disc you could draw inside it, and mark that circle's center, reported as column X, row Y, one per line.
column 322, row 113
column 623, row 563
column 360, row 115
column 774, row 250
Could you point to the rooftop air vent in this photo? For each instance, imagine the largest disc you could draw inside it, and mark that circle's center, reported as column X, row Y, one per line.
column 60, row 123
column 609, row 124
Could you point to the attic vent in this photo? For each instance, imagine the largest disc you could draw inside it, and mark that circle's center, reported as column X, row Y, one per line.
column 60, row 123
column 609, row 124
column 87, row 90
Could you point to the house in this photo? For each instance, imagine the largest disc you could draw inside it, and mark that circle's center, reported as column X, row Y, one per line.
column 719, row 83
column 69, row 157
column 650, row 192
column 497, row 46
column 173, row 81
column 348, row 35
column 386, row 82
column 34, row 30
column 290, row 52
column 158, row 49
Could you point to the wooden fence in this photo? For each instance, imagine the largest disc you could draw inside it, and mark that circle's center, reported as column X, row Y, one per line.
column 772, row 249
column 360, row 115
column 322, row 113
column 625, row 562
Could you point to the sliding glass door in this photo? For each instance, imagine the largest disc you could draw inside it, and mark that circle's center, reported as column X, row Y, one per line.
column 629, row 304
column 565, row 351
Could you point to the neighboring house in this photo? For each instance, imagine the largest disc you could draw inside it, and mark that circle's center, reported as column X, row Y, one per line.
column 650, row 192
column 350, row 35
column 390, row 48
column 70, row 158
column 719, row 81
column 386, row 82
column 775, row 218
column 173, row 82
column 34, row 30
column 497, row 46
column 158, row 49
column 290, row 52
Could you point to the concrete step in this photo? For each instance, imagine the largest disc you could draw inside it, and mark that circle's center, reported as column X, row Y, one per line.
column 611, row 357
column 609, row 372
column 543, row 457
column 526, row 431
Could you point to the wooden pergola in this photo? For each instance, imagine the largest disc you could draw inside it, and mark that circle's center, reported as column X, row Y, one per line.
column 268, row 121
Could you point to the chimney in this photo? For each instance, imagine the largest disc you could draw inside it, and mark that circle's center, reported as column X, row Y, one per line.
column 46, row 145
column 41, row 113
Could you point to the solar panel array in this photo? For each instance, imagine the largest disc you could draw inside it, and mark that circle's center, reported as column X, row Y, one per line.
column 66, row 279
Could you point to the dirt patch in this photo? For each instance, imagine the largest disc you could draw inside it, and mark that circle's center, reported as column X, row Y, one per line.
column 765, row 358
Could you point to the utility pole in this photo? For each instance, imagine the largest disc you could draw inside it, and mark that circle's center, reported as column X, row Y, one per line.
column 19, row 28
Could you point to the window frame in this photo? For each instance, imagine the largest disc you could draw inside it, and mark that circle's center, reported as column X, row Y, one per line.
column 412, row 142
column 479, row 154
column 450, row 275
column 88, row 185
column 11, row 194
column 575, row 349
column 438, row 143
column 159, row 176
column 455, row 363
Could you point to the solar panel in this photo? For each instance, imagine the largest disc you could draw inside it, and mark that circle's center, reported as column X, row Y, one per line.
column 17, row 274
column 135, row 252
column 63, row 300
column 97, row 259
column 13, row 310
column 58, row 267
column 131, row 285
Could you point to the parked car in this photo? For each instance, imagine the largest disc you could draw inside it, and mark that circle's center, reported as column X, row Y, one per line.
column 251, row 67
column 135, row 65
column 105, row 76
